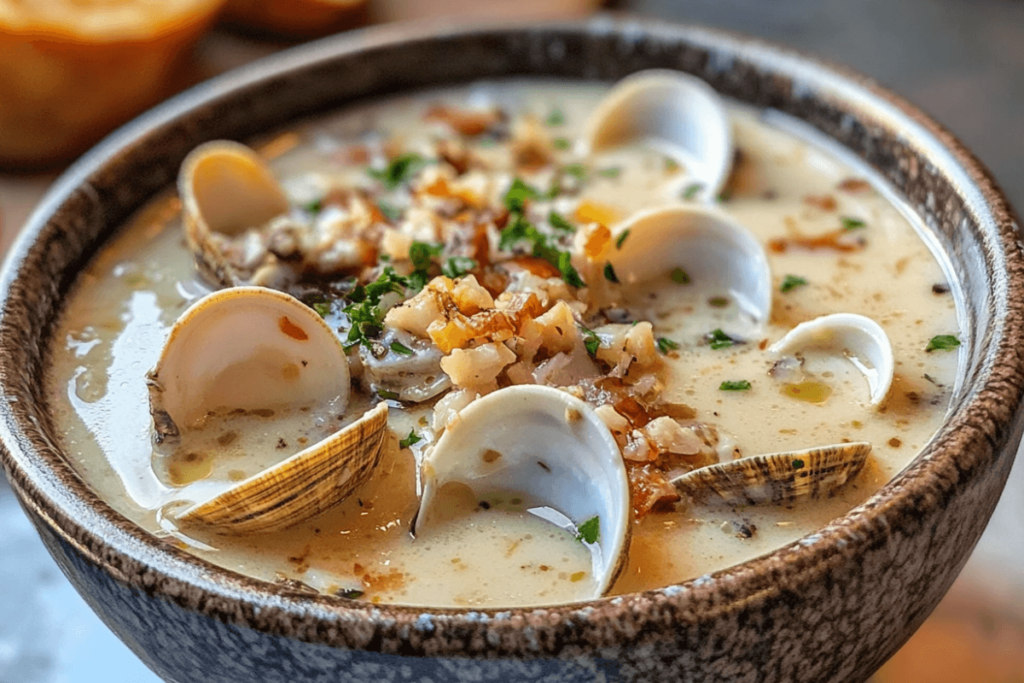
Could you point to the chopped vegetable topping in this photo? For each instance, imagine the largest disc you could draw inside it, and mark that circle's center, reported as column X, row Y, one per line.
column 718, row 301
column 692, row 190
column 621, row 238
column 791, row 282
column 559, row 222
column 556, row 117
column 590, row 340
column 671, row 165
column 401, row 169
column 410, row 440
column 388, row 394
column 322, row 308
column 609, row 273
column 852, row 223
column 315, row 206
column 680, row 276
column 350, row 593
column 578, row 171
column 942, row 342
column 719, row 339
column 518, row 193
column 612, row 172
column 665, row 345
column 390, row 211
column 364, row 313
column 798, row 464
column 457, row 266
column 519, row 229
column 738, row 385
column 561, row 143
column 590, row 530
column 401, row 349
column 420, row 254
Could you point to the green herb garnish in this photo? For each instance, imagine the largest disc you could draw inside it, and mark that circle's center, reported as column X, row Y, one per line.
column 410, row 440
column 942, row 342
column 590, row 340
column 798, row 464
column 609, row 273
column 315, row 206
column 322, row 308
column 518, row 193
column 665, row 345
column 791, row 282
column 680, row 276
column 578, row 171
column 556, row 117
column 589, row 531
column 349, row 593
column 420, row 254
column 401, row 349
column 364, row 312
column 852, row 223
column 399, row 170
column 559, row 222
column 719, row 340
column 692, row 190
column 390, row 211
column 561, row 143
column 739, row 385
column 519, row 229
column 611, row 172
column 670, row 164
column 387, row 394
column 457, row 266
column 718, row 301
column 621, row 238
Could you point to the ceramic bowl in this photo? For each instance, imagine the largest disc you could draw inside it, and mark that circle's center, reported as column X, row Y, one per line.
column 831, row 607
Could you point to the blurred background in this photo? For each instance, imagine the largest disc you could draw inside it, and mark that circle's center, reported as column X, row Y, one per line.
column 959, row 60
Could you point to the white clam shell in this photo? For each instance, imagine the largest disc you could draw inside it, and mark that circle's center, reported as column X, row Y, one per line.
column 860, row 340
column 225, row 188
column 253, row 348
column 717, row 253
column 677, row 113
column 554, row 449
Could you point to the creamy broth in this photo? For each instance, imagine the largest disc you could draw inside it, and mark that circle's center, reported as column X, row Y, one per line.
column 783, row 190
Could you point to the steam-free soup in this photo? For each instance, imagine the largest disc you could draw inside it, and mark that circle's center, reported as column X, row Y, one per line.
column 681, row 373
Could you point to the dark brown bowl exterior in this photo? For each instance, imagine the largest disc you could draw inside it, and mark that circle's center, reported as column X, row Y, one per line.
column 831, row 607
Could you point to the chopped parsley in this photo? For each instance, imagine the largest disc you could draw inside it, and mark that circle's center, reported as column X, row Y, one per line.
column 561, row 143
column 387, row 394
column 349, row 593
column 692, row 190
column 791, row 282
column 852, row 223
column 520, row 229
column 718, row 301
column 364, row 313
column 399, row 170
column 590, row 340
column 671, row 165
column 390, row 211
column 738, row 385
column 322, row 308
column 589, row 531
column 798, row 464
column 315, row 206
column 401, row 349
column 611, row 172
column 621, row 238
column 457, row 266
column 420, row 254
column 559, row 222
column 578, row 171
column 665, row 345
column 609, row 273
column 410, row 440
column 556, row 117
column 942, row 342
column 518, row 193
column 680, row 276
column 719, row 340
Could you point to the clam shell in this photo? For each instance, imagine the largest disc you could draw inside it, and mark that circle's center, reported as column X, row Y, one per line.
column 860, row 340
column 679, row 114
column 303, row 486
column 777, row 477
column 225, row 188
column 548, row 445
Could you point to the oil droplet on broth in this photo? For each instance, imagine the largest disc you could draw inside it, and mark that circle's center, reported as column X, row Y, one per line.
column 809, row 391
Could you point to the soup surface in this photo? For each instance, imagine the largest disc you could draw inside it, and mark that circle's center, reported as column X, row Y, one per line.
column 688, row 357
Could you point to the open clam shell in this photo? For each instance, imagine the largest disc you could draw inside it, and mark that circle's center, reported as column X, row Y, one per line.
column 547, row 445
column 777, row 477
column 718, row 254
column 676, row 113
column 226, row 188
column 860, row 340
column 255, row 349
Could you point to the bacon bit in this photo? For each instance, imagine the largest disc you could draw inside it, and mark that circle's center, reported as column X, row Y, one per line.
column 854, row 185
column 537, row 266
column 599, row 241
column 590, row 211
column 468, row 123
column 825, row 202
column 838, row 240
column 650, row 488
column 492, row 279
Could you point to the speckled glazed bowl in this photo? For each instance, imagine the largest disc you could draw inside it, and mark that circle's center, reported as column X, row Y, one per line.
column 831, row 607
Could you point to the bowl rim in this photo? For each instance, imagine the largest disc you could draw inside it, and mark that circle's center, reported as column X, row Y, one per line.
column 53, row 493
